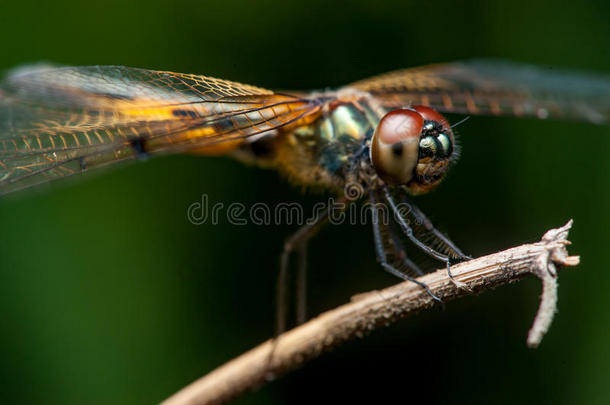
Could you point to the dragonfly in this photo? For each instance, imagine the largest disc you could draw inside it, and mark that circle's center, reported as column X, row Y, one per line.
column 386, row 134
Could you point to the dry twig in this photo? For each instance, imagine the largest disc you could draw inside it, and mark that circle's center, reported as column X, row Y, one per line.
column 374, row 309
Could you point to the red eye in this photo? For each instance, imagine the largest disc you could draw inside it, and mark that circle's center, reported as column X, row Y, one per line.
column 395, row 145
column 431, row 114
column 399, row 125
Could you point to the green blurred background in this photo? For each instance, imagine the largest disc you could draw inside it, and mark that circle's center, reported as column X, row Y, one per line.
column 109, row 295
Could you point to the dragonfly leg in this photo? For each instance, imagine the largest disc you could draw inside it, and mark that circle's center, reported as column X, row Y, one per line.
column 301, row 290
column 401, row 253
column 296, row 243
column 427, row 224
column 380, row 250
column 408, row 230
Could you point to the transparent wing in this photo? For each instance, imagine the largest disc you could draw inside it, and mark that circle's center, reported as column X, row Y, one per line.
column 55, row 122
column 496, row 88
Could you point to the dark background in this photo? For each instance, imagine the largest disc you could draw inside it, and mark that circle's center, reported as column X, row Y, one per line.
column 108, row 295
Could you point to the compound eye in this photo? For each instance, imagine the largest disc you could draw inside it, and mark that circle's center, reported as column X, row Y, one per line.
column 430, row 114
column 395, row 145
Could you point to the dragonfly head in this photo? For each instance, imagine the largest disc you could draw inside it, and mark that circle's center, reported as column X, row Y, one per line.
column 413, row 147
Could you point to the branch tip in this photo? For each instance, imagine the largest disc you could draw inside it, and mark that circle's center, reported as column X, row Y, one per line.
column 545, row 268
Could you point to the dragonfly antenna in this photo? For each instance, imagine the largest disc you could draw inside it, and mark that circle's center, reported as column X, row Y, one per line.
column 460, row 122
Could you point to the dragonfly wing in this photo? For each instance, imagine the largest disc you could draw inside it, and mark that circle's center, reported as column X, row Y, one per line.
column 496, row 88
column 103, row 85
column 55, row 122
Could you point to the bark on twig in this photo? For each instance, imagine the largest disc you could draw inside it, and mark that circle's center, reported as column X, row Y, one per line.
column 374, row 309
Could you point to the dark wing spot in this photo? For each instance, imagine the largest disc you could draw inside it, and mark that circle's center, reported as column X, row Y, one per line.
column 115, row 96
column 223, row 125
column 184, row 113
